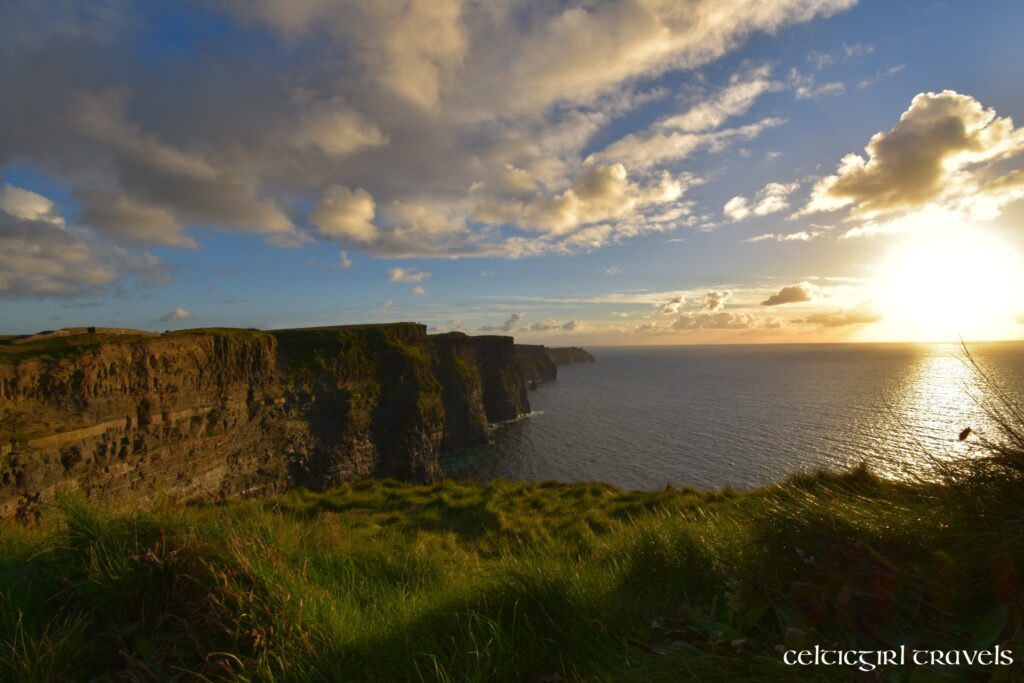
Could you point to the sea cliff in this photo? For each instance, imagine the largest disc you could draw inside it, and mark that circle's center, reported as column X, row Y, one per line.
column 129, row 418
column 567, row 355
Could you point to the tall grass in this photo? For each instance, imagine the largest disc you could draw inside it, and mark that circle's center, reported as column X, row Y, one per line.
column 385, row 581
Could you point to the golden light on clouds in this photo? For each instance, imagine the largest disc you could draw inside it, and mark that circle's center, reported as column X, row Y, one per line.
column 948, row 283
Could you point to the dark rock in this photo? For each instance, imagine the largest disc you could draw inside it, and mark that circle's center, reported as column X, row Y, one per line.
column 132, row 419
column 535, row 364
column 566, row 355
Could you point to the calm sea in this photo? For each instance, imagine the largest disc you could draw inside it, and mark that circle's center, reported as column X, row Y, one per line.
column 712, row 416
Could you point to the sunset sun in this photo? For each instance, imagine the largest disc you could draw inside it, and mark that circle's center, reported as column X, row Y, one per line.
column 952, row 283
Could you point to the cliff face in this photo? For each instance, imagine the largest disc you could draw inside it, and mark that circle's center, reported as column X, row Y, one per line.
column 534, row 363
column 566, row 355
column 503, row 385
column 129, row 419
column 457, row 367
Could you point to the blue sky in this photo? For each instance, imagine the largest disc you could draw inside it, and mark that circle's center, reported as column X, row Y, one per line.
column 600, row 172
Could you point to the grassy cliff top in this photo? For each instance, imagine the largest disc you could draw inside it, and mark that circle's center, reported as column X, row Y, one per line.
column 384, row 581
column 48, row 346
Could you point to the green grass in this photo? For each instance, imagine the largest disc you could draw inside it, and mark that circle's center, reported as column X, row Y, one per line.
column 385, row 581
column 55, row 348
column 61, row 347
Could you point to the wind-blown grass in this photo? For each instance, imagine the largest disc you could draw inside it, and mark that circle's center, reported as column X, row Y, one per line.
column 386, row 581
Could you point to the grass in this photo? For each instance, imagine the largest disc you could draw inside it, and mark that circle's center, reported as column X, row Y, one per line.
column 386, row 581
column 62, row 347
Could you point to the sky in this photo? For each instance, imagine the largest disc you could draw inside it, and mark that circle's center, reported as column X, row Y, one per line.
column 618, row 172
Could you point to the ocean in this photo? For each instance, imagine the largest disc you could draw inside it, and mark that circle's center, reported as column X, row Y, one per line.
column 743, row 416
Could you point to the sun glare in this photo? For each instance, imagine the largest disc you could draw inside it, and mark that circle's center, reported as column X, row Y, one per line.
column 958, row 282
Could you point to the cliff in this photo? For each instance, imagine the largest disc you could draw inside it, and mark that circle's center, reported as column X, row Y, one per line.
column 539, row 363
column 130, row 418
column 566, row 355
column 534, row 363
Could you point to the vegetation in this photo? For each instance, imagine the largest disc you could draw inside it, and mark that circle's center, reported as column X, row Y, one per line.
column 13, row 350
column 520, row 582
column 386, row 581
column 55, row 348
column 564, row 355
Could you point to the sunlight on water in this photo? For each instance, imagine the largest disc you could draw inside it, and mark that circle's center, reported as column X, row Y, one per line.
column 939, row 397
column 745, row 416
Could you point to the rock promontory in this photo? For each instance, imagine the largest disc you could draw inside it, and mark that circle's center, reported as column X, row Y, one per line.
column 130, row 418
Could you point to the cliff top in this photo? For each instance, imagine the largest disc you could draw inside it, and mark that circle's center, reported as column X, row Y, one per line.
column 55, row 344
column 566, row 355
column 72, row 341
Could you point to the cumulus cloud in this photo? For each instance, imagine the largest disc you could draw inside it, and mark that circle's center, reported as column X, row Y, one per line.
column 394, row 100
column 790, row 295
column 133, row 221
column 26, row 205
column 672, row 306
column 947, row 150
column 722, row 320
column 336, row 130
column 418, row 291
column 863, row 314
column 548, row 325
column 400, row 274
column 344, row 214
column 42, row 257
column 715, row 301
column 178, row 313
column 344, row 260
column 798, row 236
column 506, row 326
column 599, row 193
column 772, row 198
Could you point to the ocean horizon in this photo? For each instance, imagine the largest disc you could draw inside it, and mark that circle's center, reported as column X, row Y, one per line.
column 745, row 415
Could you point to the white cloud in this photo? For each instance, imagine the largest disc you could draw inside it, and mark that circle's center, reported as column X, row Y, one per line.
column 550, row 325
column 344, row 214
column 772, row 198
column 656, row 147
column 722, row 320
column 879, row 76
column 863, row 314
column 506, row 326
column 715, row 301
column 418, row 291
column 792, row 294
column 799, row 236
column 400, row 274
column 343, row 260
column 335, row 129
column 44, row 258
column 395, row 100
column 945, row 151
column 845, row 53
column 672, row 306
column 129, row 220
column 805, row 86
column 178, row 313
column 29, row 206
column 743, row 89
